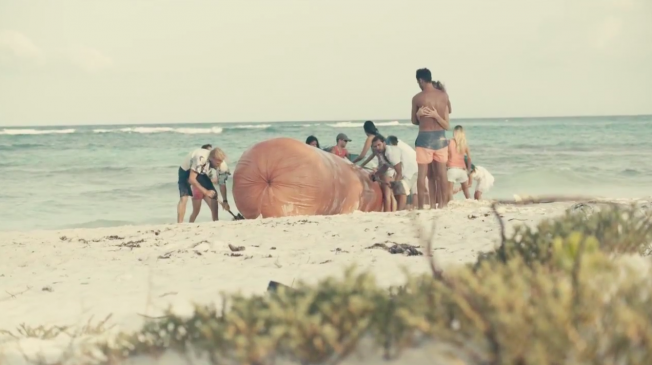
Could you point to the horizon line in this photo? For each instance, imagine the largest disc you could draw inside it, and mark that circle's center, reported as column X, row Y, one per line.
column 326, row 121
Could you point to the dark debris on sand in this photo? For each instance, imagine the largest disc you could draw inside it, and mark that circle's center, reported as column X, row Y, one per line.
column 398, row 248
column 236, row 248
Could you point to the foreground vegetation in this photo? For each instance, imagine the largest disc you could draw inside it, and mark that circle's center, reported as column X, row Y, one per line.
column 567, row 292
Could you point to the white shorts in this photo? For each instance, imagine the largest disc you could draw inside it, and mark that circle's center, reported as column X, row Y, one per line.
column 457, row 175
column 413, row 183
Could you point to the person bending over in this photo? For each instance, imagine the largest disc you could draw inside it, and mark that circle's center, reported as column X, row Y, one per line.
column 218, row 177
column 401, row 158
column 193, row 172
column 385, row 177
column 412, row 156
column 484, row 181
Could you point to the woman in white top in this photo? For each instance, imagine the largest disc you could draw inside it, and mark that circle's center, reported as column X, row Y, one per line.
column 484, row 181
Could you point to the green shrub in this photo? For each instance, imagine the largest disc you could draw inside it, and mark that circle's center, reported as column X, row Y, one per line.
column 615, row 230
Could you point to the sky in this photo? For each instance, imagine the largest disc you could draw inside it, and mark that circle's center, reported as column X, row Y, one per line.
column 122, row 61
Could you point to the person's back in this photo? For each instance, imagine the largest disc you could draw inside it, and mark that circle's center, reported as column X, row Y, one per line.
column 433, row 98
column 197, row 160
column 455, row 156
column 481, row 174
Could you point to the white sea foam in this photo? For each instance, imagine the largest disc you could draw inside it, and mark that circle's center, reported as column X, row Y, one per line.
column 251, row 126
column 209, row 130
column 358, row 124
column 150, row 130
column 17, row 132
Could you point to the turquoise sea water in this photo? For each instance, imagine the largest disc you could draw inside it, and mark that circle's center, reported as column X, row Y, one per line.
column 91, row 176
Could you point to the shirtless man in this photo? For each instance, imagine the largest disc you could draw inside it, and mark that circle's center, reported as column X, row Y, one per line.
column 431, row 145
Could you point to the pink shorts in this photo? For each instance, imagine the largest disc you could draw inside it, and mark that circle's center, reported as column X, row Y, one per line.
column 196, row 194
column 426, row 155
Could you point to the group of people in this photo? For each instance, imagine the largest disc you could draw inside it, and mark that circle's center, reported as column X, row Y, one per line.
column 427, row 173
column 430, row 171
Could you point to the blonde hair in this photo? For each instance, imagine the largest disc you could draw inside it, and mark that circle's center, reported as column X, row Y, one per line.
column 460, row 139
column 439, row 86
column 218, row 154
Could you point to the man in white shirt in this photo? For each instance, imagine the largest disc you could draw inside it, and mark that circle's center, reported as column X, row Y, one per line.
column 403, row 160
column 411, row 155
column 194, row 172
column 218, row 177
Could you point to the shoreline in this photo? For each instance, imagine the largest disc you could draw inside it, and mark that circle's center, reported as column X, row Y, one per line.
column 585, row 116
column 204, row 217
column 65, row 277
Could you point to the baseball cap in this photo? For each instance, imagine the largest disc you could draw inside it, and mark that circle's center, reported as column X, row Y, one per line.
column 342, row 136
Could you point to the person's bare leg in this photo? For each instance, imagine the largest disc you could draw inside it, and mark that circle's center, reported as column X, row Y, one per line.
column 212, row 205
column 391, row 194
column 412, row 205
column 426, row 197
column 196, row 207
column 432, row 188
column 181, row 208
column 401, row 202
column 450, row 190
column 387, row 194
column 478, row 195
column 465, row 189
column 439, row 170
column 421, row 185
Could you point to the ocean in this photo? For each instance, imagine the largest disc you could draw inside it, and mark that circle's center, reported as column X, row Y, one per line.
column 111, row 175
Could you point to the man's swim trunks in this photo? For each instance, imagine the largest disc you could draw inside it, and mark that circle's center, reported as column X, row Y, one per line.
column 431, row 146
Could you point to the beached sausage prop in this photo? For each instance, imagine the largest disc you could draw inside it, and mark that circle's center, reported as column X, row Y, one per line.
column 284, row 177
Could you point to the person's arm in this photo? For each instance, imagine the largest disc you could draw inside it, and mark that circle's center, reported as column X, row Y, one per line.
column 399, row 172
column 365, row 149
column 367, row 160
column 225, row 201
column 193, row 181
column 468, row 159
column 222, row 176
column 471, row 180
column 443, row 122
column 415, row 119
column 380, row 172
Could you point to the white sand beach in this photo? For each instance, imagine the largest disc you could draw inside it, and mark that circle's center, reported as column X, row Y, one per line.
column 66, row 277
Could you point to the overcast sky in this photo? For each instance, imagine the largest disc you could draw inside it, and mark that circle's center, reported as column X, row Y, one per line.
column 125, row 61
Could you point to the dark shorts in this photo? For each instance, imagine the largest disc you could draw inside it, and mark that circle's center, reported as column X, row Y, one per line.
column 432, row 140
column 184, row 185
column 401, row 187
